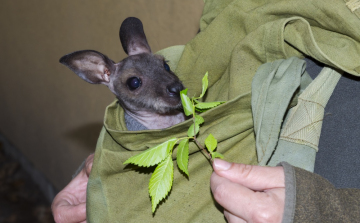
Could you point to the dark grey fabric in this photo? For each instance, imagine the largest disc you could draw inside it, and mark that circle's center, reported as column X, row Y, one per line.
column 290, row 192
column 132, row 124
column 338, row 159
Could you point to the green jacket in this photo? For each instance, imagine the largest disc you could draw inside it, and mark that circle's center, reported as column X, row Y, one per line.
column 311, row 198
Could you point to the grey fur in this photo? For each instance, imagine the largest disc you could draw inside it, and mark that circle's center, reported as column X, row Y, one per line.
column 132, row 124
column 143, row 83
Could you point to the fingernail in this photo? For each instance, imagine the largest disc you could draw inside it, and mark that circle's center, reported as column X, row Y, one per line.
column 220, row 164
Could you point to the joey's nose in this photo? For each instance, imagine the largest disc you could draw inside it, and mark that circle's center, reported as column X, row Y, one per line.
column 174, row 90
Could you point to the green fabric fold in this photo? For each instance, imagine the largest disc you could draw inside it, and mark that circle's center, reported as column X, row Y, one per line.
column 273, row 88
column 300, row 135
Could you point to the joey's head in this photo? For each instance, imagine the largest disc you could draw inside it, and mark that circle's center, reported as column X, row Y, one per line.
column 141, row 82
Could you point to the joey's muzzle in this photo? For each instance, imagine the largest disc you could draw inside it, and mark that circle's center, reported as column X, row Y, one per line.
column 173, row 90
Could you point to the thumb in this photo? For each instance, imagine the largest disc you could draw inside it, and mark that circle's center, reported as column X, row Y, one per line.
column 254, row 177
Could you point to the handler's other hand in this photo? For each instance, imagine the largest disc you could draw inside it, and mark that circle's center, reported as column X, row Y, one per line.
column 69, row 205
column 249, row 193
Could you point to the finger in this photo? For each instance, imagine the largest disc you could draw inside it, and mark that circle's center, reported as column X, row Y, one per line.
column 254, row 177
column 74, row 193
column 230, row 196
column 88, row 164
column 232, row 218
column 70, row 214
column 246, row 203
column 77, row 185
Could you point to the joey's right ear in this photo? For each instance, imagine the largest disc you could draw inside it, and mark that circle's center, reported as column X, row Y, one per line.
column 90, row 65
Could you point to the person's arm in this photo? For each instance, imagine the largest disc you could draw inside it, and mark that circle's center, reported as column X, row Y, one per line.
column 317, row 200
column 280, row 194
column 69, row 205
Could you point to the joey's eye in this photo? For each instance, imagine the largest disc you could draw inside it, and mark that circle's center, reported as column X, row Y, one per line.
column 166, row 66
column 133, row 83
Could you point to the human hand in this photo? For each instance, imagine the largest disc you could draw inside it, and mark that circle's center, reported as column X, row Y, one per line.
column 249, row 193
column 69, row 205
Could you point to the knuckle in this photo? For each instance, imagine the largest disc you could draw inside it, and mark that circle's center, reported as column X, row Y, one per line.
column 244, row 170
column 58, row 212
column 220, row 192
column 261, row 217
column 265, row 213
column 88, row 164
column 57, row 217
column 87, row 168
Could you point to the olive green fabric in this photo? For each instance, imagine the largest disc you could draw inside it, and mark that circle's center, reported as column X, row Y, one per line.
column 236, row 38
column 119, row 192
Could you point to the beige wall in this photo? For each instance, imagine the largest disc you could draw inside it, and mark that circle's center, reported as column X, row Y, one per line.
column 52, row 116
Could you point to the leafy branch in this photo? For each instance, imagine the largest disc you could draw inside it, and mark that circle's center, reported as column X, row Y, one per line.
column 161, row 180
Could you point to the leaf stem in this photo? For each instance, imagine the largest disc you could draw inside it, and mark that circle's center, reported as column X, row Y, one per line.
column 203, row 149
column 205, row 152
column 179, row 139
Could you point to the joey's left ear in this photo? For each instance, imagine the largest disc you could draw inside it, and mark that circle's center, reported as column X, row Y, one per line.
column 90, row 65
column 132, row 37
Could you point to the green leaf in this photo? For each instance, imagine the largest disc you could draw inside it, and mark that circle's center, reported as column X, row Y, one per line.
column 210, row 143
column 193, row 131
column 217, row 155
column 200, row 110
column 182, row 156
column 161, row 181
column 186, row 103
column 197, row 109
column 207, row 105
column 153, row 155
column 198, row 119
column 205, row 83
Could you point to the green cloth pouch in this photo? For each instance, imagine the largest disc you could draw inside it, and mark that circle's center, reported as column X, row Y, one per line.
column 236, row 38
column 116, row 191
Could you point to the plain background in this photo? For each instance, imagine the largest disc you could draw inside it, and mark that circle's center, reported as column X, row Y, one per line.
column 52, row 116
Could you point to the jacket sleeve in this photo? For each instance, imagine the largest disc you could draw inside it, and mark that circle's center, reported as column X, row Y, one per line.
column 311, row 198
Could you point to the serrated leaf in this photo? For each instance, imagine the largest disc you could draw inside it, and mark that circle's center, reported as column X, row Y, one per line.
column 198, row 119
column 217, row 155
column 186, row 103
column 154, row 155
column 200, row 110
column 161, row 181
column 207, row 105
column 193, row 131
column 205, row 83
column 197, row 109
column 182, row 156
column 210, row 143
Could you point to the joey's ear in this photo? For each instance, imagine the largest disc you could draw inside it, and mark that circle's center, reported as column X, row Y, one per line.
column 132, row 37
column 92, row 66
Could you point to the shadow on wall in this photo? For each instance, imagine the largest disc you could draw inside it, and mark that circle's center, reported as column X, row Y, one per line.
column 85, row 135
column 25, row 193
